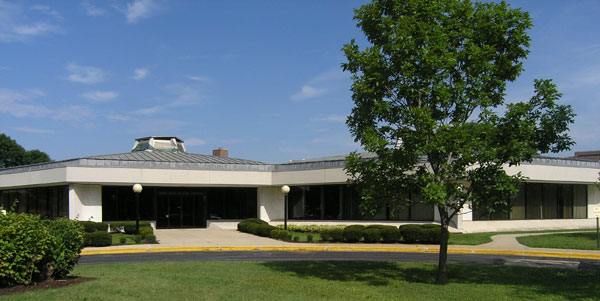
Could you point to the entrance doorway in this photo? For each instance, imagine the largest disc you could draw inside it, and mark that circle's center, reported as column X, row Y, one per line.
column 181, row 210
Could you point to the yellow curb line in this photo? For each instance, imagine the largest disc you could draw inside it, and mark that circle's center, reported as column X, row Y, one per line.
column 343, row 248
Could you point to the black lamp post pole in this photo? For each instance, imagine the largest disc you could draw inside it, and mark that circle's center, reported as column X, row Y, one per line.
column 285, row 214
column 137, row 213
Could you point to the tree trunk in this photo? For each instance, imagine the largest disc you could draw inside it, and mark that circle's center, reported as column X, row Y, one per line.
column 442, row 275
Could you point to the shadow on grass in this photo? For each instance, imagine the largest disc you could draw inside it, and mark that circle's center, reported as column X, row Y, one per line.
column 570, row 284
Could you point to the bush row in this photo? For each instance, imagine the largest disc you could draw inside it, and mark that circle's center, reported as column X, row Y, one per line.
column 127, row 227
column 424, row 233
column 32, row 249
column 310, row 228
column 97, row 236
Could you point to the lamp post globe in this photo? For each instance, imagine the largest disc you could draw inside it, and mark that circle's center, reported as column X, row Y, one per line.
column 137, row 188
column 285, row 190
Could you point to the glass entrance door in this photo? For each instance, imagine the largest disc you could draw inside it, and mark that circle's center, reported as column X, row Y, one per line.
column 181, row 210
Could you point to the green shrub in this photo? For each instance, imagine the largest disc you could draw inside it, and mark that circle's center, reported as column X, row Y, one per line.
column 325, row 236
column 390, row 234
column 137, row 239
column 264, row 230
column 150, row 239
column 252, row 228
column 336, row 235
column 24, row 245
column 281, row 234
column 244, row 226
column 129, row 227
column 90, row 227
column 309, row 228
column 67, row 242
column 421, row 233
column 309, row 238
column 372, row 235
column 98, row 239
column 116, row 226
column 296, row 238
column 123, row 240
column 354, row 233
column 145, row 231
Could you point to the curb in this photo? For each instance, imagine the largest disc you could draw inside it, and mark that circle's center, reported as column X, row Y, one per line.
column 343, row 248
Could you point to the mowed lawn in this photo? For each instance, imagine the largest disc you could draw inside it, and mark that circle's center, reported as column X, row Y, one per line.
column 313, row 280
column 580, row 241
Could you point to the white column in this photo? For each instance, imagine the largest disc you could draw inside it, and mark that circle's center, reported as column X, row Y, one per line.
column 270, row 203
column 85, row 202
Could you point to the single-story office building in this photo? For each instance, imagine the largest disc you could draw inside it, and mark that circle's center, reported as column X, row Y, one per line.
column 181, row 190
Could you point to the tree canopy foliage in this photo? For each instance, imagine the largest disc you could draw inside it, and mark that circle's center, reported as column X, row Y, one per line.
column 429, row 95
column 12, row 154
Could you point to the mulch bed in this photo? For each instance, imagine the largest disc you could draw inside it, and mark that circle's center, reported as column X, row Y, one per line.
column 48, row 284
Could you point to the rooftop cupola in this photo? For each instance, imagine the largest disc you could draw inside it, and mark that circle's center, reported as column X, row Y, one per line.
column 159, row 144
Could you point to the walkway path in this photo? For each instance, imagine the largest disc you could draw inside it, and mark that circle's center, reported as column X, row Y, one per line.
column 231, row 240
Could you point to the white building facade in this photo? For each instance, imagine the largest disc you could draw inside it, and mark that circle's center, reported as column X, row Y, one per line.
column 191, row 190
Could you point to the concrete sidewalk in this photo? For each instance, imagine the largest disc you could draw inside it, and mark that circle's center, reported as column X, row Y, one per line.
column 188, row 240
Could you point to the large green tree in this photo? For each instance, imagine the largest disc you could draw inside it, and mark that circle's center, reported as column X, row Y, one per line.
column 12, row 154
column 429, row 95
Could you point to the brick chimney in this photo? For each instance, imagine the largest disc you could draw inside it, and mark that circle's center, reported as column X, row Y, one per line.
column 220, row 152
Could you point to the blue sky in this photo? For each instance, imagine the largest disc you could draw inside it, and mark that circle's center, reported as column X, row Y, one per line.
column 260, row 78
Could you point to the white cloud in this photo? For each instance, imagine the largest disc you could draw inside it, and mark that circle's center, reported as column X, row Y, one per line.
column 331, row 118
column 149, row 111
column 198, row 78
column 184, row 95
column 16, row 25
column 307, row 92
column 85, row 74
column 194, row 142
column 118, row 117
column 315, row 87
column 100, row 96
column 31, row 130
column 140, row 73
column 140, row 9
column 92, row 10
column 47, row 10
column 22, row 103
column 74, row 113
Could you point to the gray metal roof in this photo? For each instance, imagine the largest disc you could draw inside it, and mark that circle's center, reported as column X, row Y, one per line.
column 178, row 160
column 173, row 157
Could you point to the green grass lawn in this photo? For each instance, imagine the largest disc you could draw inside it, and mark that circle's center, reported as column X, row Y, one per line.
column 579, row 241
column 328, row 280
column 485, row 237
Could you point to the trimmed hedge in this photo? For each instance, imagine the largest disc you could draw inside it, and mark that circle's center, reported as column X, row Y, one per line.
column 32, row 250
column 255, row 226
column 390, row 234
column 127, row 227
column 90, row 227
column 98, row 239
column 333, row 234
column 354, row 233
column 372, row 235
column 309, row 228
column 281, row 234
column 421, row 233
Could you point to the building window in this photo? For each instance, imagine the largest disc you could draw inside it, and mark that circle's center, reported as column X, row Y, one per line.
column 47, row 202
column 542, row 201
column 341, row 202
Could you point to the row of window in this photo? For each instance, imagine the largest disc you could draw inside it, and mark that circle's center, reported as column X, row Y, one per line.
column 330, row 202
column 49, row 202
column 543, row 201
column 173, row 207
